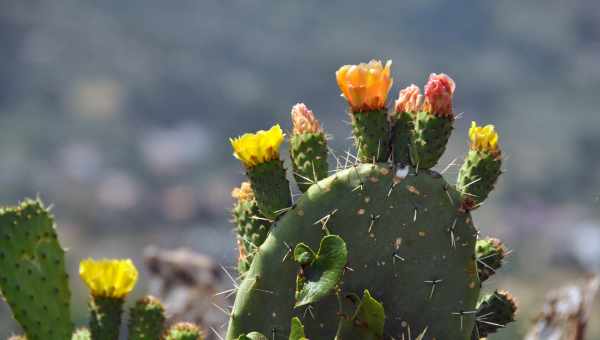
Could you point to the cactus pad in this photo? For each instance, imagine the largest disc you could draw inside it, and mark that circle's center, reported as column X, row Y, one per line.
column 32, row 272
column 408, row 241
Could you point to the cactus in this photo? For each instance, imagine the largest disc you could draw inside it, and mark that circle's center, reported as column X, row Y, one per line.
column 387, row 227
column 82, row 334
column 184, row 331
column 494, row 311
column 33, row 279
column 146, row 319
column 251, row 226
column 34, row 283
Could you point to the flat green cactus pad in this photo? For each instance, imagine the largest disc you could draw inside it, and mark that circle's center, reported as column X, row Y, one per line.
column 32, row 272
column 409, row 244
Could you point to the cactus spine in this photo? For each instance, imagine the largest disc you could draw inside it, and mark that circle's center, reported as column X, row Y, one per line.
column 410, row 246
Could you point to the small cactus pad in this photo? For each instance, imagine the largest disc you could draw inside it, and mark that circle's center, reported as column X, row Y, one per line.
column 371, row 135
column 184, row 331
column 494, row 312
column 146, row 319
column 477, row 176
column 409, row 243
column 402, row 136
column 32, row 272
column 320, row 272
column 271, row 187
column 308, row 152
column 490, row 254
column 430, row 139
column 367, row 321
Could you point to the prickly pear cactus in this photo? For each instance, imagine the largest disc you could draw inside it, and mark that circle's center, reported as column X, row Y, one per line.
column 384, row 247
column 33, row 279
column 34, row 282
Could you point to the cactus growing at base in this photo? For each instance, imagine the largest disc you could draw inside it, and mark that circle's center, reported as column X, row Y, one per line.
column 34, row 282
column 33, row 279
column 146, row 319
column 378, row 249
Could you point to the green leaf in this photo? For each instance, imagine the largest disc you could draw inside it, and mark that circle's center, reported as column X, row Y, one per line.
column 318, row 279
column 303, row 254
column 368, row 320
column 297, row 330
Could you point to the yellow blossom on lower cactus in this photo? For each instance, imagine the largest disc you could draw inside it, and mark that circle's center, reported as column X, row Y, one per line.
column 108, row 278
column 365, row 86
column 256, row 148
column 483, row 138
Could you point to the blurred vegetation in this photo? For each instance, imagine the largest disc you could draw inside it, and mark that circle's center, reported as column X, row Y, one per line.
column 118, row 113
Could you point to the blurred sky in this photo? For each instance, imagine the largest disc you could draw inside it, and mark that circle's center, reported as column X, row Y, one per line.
column 119, row 113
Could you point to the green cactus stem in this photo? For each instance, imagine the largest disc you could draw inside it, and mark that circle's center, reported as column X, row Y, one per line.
column 33, row 279
column 430, row 138
column 494, row 312
column 478, row 175
column 308, row 152
column 146, row 319
column 402, row 136
column 82, row 334
column 251, row 226
column 271, row 188
column 105, row 317
column 371, row 132
column 308, row 148
column 490, row 254
column 184, row 331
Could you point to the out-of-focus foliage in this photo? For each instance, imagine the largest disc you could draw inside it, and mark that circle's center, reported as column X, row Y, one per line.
column 127, row 106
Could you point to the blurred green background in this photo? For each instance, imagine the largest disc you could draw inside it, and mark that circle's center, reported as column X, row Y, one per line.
column 119, row 113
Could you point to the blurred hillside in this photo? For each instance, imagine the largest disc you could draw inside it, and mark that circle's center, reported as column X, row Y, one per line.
column 119, row 113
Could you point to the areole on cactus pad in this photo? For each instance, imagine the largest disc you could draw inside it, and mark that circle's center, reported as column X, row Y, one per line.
column 381, row 248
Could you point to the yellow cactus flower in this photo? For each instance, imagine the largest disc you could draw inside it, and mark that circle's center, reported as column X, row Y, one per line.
column 244, row 193
column 483, row 138
column 304, row 120
column 365, row 86
column 257, row 148
column 109, row 278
